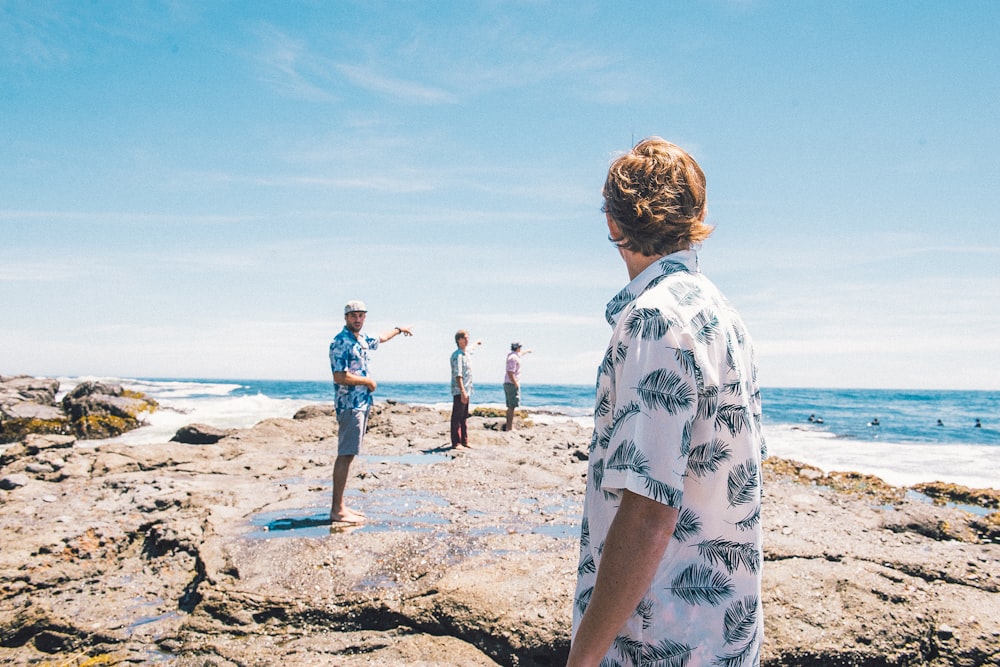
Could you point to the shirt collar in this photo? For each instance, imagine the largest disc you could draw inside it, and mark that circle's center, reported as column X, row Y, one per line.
column 682, row 261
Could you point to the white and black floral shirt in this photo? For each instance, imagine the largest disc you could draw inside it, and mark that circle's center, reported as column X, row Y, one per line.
column 677, row 419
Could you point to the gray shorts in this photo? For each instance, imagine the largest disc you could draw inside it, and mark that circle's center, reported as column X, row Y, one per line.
column 512, row 393
column 351, row 429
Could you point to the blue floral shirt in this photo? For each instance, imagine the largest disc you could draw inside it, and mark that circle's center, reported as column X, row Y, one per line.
column 677, row 419
column 349, row 354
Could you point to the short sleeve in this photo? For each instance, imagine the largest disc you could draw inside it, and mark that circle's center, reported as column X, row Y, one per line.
column 655, row 406
column 339, row 356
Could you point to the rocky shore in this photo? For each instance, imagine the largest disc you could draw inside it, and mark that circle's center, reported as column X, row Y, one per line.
column 90, row 410
column 222, row 554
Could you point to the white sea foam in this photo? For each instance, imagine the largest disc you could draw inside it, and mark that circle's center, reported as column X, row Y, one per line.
column 976, row 466
column 223, row 412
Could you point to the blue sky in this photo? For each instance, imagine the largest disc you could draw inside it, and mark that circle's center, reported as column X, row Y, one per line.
column 193, row 189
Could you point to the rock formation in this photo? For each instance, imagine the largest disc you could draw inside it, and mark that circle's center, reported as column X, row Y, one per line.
column 92, row 410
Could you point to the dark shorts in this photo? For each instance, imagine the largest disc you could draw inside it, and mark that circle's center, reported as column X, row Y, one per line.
column 512, row 393
column 351, row 429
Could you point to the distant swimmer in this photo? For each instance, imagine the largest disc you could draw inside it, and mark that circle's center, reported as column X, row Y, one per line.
column 813, row 419
column 978, row 424
column 874, row 422
column 940, row 423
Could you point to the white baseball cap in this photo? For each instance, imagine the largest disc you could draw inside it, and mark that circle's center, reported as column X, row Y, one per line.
column 355, row 306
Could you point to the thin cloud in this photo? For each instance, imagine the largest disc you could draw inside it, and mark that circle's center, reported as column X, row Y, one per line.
column 28, row 35
column 284, row 63
column 400, row 89
column 37, row 272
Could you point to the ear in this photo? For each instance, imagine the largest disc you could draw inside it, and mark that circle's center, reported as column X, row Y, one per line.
column 613, row 228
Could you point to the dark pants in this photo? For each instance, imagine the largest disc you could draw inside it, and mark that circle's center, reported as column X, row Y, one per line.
column 459, row 415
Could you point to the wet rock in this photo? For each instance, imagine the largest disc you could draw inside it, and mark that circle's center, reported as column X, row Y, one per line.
column 199, row 434
column 102, row 410
column 939, row 523
column 314, row 411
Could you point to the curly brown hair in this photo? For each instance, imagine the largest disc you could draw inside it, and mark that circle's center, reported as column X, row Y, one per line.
column 655, row 193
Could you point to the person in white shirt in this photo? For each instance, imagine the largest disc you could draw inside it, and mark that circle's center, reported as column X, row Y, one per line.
column 670, row 543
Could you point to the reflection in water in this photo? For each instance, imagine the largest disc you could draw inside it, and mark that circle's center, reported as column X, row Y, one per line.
column 386, row 511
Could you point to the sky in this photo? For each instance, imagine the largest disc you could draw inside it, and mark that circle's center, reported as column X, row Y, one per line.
column 195, row 189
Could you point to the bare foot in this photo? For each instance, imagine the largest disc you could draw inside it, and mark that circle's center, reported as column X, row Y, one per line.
column 347, row 516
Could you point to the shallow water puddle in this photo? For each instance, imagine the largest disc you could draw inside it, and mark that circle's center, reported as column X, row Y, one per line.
column 971, row 509
column 386, row 511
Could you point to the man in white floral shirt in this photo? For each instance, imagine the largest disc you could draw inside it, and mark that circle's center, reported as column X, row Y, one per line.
column 670, row 549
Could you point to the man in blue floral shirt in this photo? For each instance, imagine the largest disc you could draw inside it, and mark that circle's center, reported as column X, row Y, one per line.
column 670, row 546
column 349, row 355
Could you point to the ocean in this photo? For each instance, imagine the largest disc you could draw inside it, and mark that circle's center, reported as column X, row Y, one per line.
column 892, row 434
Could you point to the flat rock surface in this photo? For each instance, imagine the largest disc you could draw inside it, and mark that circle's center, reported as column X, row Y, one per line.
column 223, row 554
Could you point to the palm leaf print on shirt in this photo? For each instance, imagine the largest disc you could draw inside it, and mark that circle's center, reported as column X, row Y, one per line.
column 734, row 417
column 630, row 409
column 662, row 492
column 603, row 406
column 708, row 402
column 731, row 555
column 666, row 390
column 666, row 653
column 706, row 326
column 607, row 366
column 597, row 470
column 629, row 457
column 647, row 323
column 740, row 619
column 707, row 457
column 700, row 584
column 618, row 304
column 670, row 266
column 586, row 566
column 745, row 656
column 750, row 520
column 743, row 483
column 612, row 356
column 686, row 293
column 583, row 599
column 685, row 359
column 688, row 525
column 645, row 612
column 617, row 419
